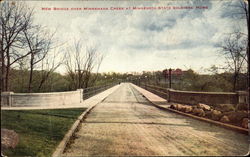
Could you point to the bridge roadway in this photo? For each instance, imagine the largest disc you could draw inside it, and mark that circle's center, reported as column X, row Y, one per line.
column 125, row 123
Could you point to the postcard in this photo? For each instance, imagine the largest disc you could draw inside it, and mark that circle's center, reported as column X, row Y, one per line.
column 124, row 77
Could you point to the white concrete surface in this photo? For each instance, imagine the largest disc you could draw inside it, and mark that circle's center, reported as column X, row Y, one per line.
column 42, row 99
column 86, row 103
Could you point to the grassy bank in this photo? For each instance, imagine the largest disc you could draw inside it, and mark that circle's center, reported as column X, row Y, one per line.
column 40, row 131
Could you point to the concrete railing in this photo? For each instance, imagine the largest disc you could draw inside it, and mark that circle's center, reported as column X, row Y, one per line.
column 41, row 99
column 202, row 97
column 191, row 97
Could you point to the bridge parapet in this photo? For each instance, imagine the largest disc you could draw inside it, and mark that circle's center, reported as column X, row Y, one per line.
column 193, row 97
column 40, row 99
column 243, row 97
column 12, row 99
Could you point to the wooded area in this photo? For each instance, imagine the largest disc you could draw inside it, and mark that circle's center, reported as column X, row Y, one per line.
column 31, row 54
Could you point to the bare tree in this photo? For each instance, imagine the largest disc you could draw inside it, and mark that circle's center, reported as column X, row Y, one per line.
column 74, row 66
column 98, row 61
column 80, row 64
column 93, row 60
column 39, row 42
column 15, row 17
column 234, row 48
column 245, row 12
column 23, row 66
column 242, row 12
column 49, row 65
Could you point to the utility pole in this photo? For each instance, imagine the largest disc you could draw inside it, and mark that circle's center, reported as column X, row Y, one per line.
column 105, row 81
column 146, row 81
column 165, row 76
column 170, row 85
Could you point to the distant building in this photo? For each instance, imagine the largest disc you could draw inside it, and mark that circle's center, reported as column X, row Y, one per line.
column 174, row 72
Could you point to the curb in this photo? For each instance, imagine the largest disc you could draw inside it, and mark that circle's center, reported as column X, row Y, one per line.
column 61, row 147
column 224, row 125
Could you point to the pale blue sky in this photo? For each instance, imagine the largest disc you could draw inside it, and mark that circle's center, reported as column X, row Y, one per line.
column 138, row 40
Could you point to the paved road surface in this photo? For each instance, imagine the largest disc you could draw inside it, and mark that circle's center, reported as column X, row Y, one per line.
column 125, row 123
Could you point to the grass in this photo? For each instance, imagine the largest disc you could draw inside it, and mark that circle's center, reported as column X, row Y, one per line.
column 40, row 131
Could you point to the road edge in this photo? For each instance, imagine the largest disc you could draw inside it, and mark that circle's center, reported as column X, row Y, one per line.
column 63, row 144
column 217, row 123
column 227, row 126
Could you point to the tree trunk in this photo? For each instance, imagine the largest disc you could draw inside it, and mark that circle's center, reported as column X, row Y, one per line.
column 2, row 72
column 235, row 77
column 2, row 65
column 7, row 71
column 44, row 78
column 31, row 72
column 87, row 78
column 248, row 69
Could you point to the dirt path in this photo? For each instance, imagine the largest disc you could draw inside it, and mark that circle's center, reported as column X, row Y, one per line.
column 125, row 123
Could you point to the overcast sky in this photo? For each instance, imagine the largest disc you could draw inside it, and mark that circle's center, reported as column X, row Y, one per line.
column 137, row 40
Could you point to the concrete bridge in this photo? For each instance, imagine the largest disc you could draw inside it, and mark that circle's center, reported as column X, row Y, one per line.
column 124, row 122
